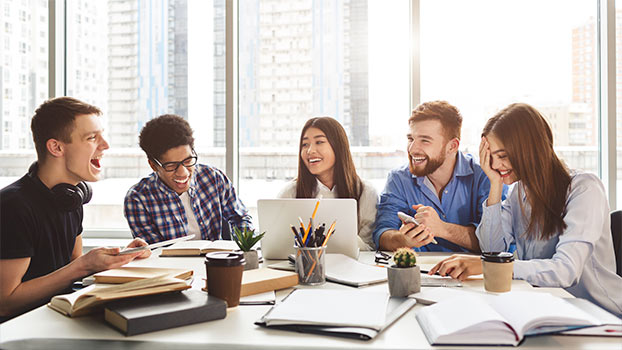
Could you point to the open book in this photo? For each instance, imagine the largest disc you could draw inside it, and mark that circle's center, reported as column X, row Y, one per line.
column 499, row 319
column 86, row 300
column 132, row 273
column 336, row 312
column 198, row 247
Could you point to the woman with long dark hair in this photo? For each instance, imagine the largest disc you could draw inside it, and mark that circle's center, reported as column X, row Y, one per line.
column 558, row 218
column 325, row 167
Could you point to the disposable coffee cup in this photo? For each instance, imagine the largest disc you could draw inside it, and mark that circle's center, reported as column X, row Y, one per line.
column 224, row 276
column 310, row 265
column 498, row 270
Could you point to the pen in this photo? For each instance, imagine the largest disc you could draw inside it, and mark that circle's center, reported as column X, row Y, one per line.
column 305, row 231
column 296, row 236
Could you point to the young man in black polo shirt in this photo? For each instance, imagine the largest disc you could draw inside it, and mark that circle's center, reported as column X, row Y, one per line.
column 41, row 213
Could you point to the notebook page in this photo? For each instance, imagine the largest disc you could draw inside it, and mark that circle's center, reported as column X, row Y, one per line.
column 463, row 319
column 526, row 310
column 331, row 307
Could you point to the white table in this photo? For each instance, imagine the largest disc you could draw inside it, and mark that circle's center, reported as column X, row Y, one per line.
column 237, row 330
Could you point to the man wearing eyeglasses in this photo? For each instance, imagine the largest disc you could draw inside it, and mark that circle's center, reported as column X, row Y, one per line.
column 180, row 197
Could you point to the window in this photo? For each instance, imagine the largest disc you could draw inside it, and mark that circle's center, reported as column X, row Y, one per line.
column 284, row 81
column 139, row 71
column 489, row 59
column 135, row 71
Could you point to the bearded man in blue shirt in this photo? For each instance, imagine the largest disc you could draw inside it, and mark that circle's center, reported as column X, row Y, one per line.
column 441, row 187
column 180, row 197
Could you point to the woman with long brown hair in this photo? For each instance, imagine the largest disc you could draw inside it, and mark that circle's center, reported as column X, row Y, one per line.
column 558, row 218
column 326, row 168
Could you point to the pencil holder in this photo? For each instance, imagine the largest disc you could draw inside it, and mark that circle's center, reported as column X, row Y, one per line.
column 310, row 265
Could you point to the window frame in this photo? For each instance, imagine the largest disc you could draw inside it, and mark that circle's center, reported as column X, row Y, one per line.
column 606, row 65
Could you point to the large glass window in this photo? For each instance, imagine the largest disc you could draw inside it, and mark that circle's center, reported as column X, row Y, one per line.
column 348, row 59
column 302, row 59
column 23, row 81
column 137, row 60
column 516, row 51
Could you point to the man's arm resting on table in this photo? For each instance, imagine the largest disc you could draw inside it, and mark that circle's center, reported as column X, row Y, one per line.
column 463, row 236
column 16, row 296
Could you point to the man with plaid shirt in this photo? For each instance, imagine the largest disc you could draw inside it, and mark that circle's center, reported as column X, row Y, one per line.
column 180, row 197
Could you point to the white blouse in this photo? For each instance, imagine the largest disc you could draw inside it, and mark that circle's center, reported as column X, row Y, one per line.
column 366, row 207
column 580, row 259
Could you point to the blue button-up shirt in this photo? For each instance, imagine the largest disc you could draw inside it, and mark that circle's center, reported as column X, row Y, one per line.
column 461, row 201
column 155, row 212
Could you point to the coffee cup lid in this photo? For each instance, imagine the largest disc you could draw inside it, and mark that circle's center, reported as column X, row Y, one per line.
column 225, row 259
column 500, row 257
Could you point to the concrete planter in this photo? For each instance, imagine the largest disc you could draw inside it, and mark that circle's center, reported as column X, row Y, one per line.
column 252, row 260
column 404, row 281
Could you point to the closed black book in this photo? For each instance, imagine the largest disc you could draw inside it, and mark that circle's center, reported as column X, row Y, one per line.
column 156, row 312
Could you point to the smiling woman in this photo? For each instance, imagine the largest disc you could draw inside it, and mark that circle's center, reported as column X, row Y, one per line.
column 325, row 168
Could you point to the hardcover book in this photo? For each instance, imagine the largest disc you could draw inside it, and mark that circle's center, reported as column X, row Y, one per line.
column 157, row 312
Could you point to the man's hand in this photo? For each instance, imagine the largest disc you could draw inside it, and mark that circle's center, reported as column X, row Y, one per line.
column 100, row 259
column 139, row 242
column 458, row 266
column 428, row 217
column 416, row 236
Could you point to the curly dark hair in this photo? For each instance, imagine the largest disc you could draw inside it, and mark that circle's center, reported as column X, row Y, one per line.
column 163, row 133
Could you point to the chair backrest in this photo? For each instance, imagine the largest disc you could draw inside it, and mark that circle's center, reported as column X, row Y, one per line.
column 616, row 233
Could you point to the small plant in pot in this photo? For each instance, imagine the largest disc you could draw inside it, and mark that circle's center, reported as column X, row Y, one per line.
column 246, row 240
column 405, row 275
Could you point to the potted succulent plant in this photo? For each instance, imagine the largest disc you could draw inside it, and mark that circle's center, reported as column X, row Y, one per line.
column 246, row 240
column 405, row 275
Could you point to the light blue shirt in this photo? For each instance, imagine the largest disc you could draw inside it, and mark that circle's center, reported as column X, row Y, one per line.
column 580, row 259
column 460, row 203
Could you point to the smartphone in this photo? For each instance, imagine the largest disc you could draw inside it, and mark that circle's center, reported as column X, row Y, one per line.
column 154, row 245
column 407, row 218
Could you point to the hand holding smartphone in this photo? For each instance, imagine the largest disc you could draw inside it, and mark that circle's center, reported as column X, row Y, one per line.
column 409, row 219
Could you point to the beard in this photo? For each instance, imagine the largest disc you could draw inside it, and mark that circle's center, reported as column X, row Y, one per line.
column 431, row 165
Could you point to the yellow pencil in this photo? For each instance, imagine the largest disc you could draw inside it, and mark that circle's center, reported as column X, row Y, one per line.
column 330, row 232
column 316, row 206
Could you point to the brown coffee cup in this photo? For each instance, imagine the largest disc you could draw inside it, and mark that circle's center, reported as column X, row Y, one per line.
column 224, row 276
column 498, row 271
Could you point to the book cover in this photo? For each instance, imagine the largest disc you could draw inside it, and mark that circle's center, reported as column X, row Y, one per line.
column 158, row 312
column 264, row 280
column 133, row 273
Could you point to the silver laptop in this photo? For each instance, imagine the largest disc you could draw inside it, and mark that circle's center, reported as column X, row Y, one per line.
column 276, row 215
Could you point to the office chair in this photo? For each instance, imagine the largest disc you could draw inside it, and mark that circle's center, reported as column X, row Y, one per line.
column 616, row 233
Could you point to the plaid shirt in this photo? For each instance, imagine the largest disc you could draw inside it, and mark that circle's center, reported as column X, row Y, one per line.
column 155, row 212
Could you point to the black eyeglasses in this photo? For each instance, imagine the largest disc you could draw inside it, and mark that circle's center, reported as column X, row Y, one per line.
column 172, row 166
column 382, row 257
